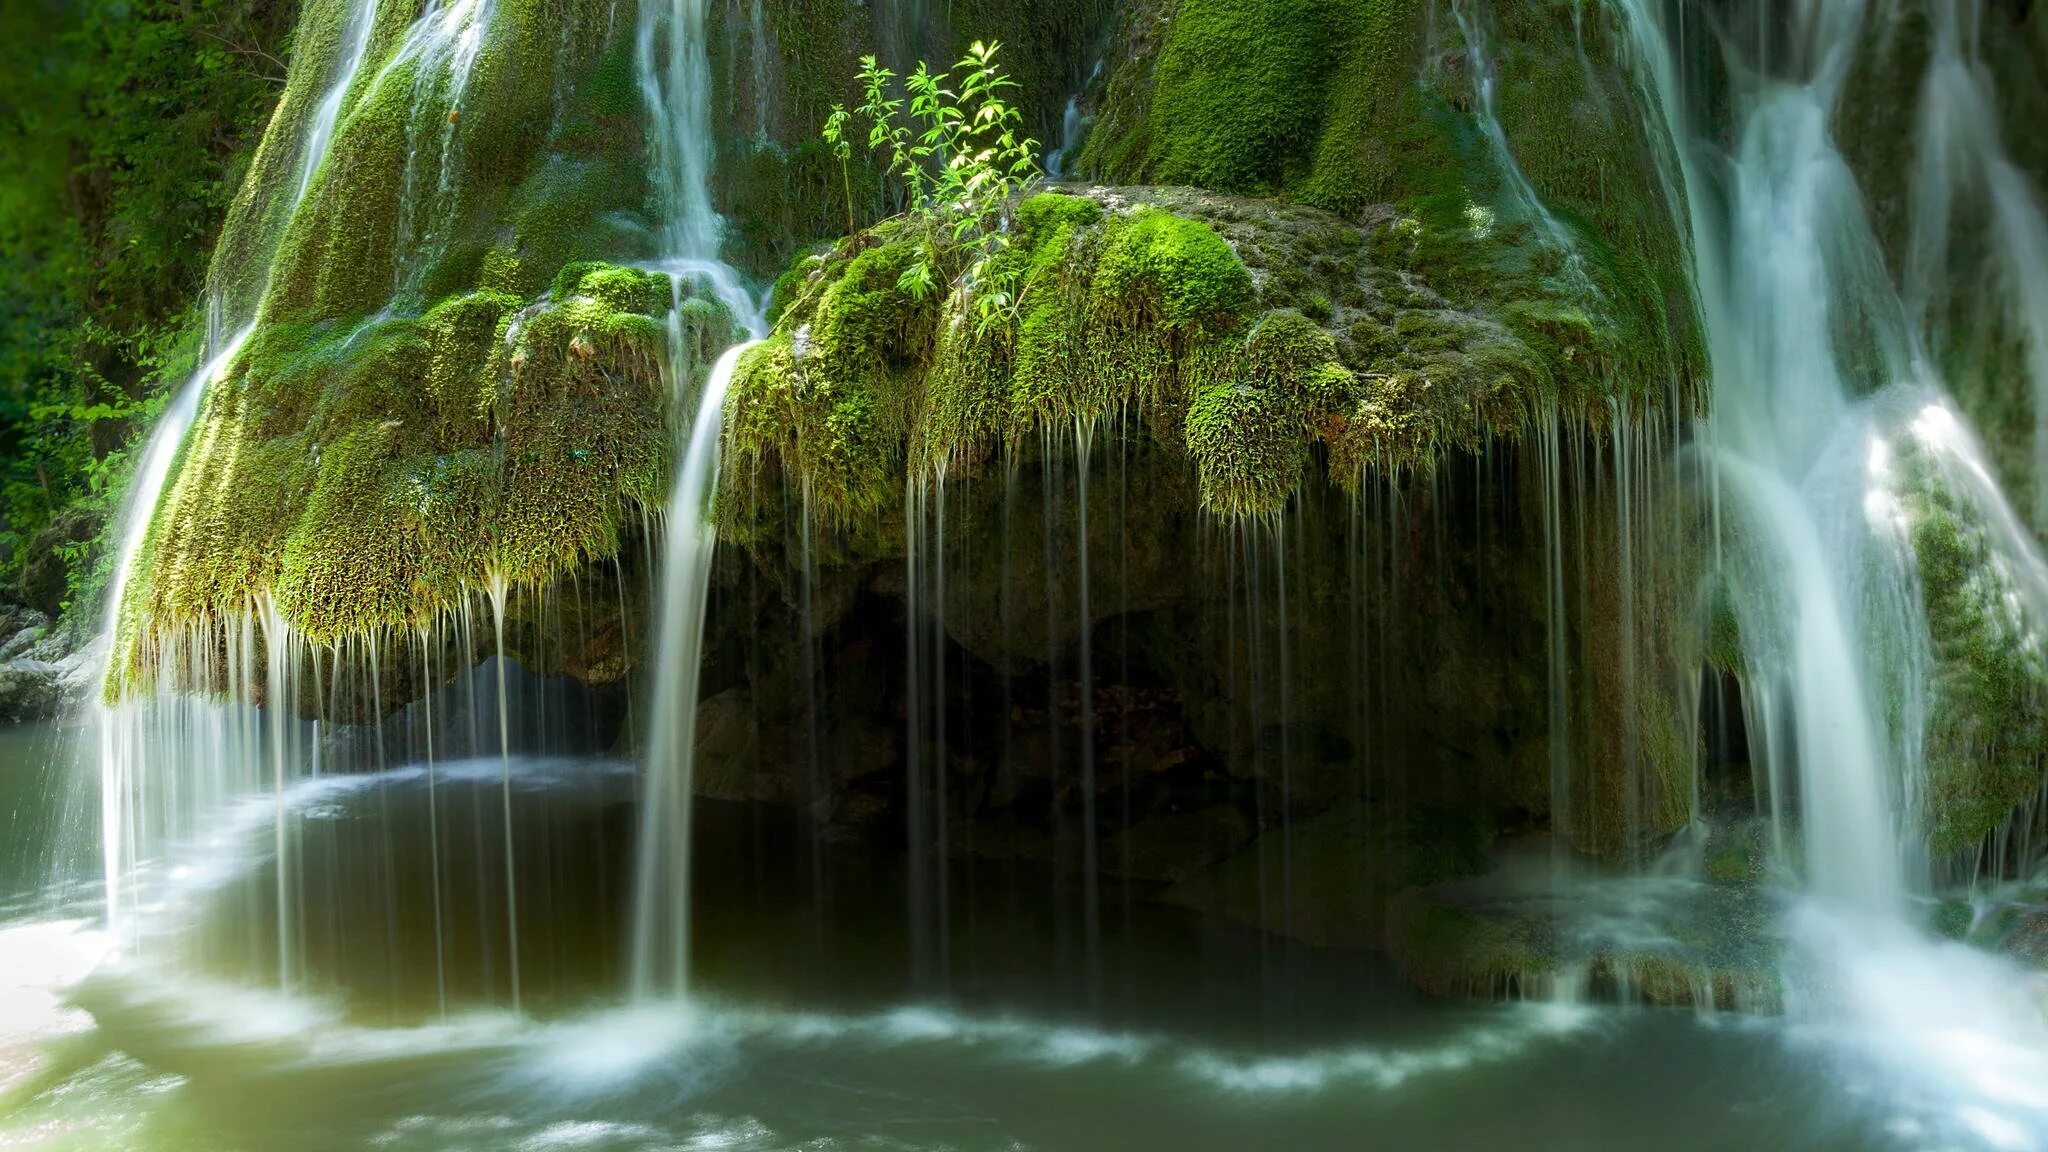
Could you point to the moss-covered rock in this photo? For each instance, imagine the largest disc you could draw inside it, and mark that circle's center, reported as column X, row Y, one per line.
column 454, row 375
column 1192, row 310
column 1985, row 608
column 364, row 479
column 1357, row 105
column 1707, row 944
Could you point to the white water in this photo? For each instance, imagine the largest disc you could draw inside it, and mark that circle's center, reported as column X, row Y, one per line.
column 1819, row 386
column 675, row 84
column 133, row 735
column 1071, row 123
column 362, row 18
column 661, row 932
column 118, row 723
column 444, row 44
column 671, row 54
column 1963, row 167
column 1480, row 63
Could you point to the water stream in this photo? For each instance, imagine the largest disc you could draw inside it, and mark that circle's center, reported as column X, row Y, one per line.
column 1803, row 447
column 673, row 62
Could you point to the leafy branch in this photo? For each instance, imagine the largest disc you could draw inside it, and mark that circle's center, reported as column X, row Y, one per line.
column 960, row 156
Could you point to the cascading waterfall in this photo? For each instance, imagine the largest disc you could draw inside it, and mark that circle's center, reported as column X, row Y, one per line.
column 1821, row 382
column 124, row 730
column 129, row 731
column 170, row 762
column 1283, row 771
column 441, row 47
column 1793, row 258
column 671, row 54
column 674, row 65
column 1963, row 163
column 1470, row 16
column 361, row 20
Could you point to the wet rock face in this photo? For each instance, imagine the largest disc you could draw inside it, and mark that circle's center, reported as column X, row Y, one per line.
column 1287, row 724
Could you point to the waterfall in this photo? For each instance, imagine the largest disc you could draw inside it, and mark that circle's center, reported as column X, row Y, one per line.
column 362, row 18
column 1071, row 123
column 1962, row 160
column 443, row 46
column 120, row 745
column 133, row 733
column 1786, row 260
column 661, row 922
column 1821, row 383
column 674, row 65
column 1480, row 63
column 673, row 61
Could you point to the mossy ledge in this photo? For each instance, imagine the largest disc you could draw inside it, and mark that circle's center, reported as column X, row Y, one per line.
column 1252, row 336
column 363, row 478
column 1987, row 711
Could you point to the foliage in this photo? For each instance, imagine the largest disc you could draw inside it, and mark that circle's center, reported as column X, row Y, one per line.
column 960, row 158
column 126, row 128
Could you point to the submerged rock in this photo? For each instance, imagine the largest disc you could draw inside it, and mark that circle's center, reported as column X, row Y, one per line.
column 1537, row 931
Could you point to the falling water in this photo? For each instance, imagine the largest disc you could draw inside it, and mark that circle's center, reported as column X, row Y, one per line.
column 141, row 739
column 499, row 593
column 1815, row 359
column 1962, row 160
column 1794, row 257
column 120, row 724
column 1479, row 60
column 443, row 46
column 675, row 85
column 661, row 921
column 362, row 18
column 1091, row 870
column 1071, row 123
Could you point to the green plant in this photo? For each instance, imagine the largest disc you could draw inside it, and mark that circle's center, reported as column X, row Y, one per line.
column 961, row 159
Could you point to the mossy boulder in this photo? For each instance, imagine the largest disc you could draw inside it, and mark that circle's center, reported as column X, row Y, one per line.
column 1214, row 360
column 1354, row 107
column 1986, row 609
column 363, row 479
column 454, row 375
column 1248, row 337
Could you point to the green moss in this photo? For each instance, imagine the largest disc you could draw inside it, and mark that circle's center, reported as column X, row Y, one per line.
column 862, row 380
column 1344, row 108
column 1257, row 408
column 1238, row 92
column 1357, row 160
column 365, row 477
column 1143, row 308
column 1987, row 724
column 1162, row 269
column 829, row 390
